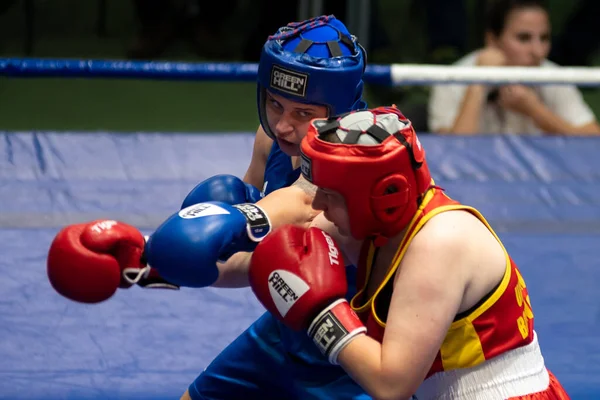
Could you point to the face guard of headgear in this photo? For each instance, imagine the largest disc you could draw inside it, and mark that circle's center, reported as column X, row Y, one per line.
column 379, row 168
column 315, row 62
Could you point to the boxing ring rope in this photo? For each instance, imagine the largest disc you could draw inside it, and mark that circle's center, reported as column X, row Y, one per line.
column 378, row 74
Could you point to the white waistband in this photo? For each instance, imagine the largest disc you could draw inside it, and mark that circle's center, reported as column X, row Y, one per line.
column 515, row 373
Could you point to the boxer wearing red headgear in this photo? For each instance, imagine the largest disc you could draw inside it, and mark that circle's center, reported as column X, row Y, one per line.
column 399, row 163
column 441, row 311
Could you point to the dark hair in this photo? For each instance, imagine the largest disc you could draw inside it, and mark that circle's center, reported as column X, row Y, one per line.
column 498, row 10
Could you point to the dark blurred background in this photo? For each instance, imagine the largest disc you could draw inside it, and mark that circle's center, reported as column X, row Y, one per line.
column 400, row 31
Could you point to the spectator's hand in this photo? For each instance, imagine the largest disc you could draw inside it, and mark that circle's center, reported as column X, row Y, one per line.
column 517, row 98
column 491, row 57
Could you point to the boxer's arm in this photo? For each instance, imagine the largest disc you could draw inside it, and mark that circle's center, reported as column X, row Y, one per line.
column 260, row 153
column 427, row 295
column 291, row 205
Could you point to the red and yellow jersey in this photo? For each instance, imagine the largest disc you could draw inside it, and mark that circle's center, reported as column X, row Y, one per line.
column 502, row 321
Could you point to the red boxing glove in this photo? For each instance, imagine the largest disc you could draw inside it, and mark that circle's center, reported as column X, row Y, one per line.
column 89, row 262
column 300, row 277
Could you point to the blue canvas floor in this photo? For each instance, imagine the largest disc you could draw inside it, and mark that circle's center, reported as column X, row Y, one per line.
column 541, row 194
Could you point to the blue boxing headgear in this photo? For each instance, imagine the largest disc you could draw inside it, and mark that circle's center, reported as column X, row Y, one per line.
column 317, row 62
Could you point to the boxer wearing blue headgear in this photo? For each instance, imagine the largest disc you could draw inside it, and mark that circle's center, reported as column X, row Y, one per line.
column 314, row 62
column 317, row 70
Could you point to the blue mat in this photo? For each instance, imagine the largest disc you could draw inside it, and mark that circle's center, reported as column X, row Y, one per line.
column 541, row 194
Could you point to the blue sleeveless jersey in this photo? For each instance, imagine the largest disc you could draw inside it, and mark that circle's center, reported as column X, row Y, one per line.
column 279, row 172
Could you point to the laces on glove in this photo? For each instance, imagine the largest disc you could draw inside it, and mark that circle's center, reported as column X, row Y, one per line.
column 135, row 275
column 147, row 277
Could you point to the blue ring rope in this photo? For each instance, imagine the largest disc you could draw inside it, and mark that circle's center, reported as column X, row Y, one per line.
column 158, row 70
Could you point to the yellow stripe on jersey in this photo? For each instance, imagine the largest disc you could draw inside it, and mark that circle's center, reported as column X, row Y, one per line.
column 461, row 347
column 369, row 263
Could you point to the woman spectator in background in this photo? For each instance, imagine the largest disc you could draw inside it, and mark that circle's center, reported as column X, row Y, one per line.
column 517, row 34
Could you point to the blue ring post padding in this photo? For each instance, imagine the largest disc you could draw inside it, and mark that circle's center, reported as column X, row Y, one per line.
column 158, row 70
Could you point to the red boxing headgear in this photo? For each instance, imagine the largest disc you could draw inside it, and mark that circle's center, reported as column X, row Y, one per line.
column 379, row 168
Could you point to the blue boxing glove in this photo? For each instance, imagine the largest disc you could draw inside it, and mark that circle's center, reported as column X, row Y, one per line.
column 226, row 188
column 186, row 247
